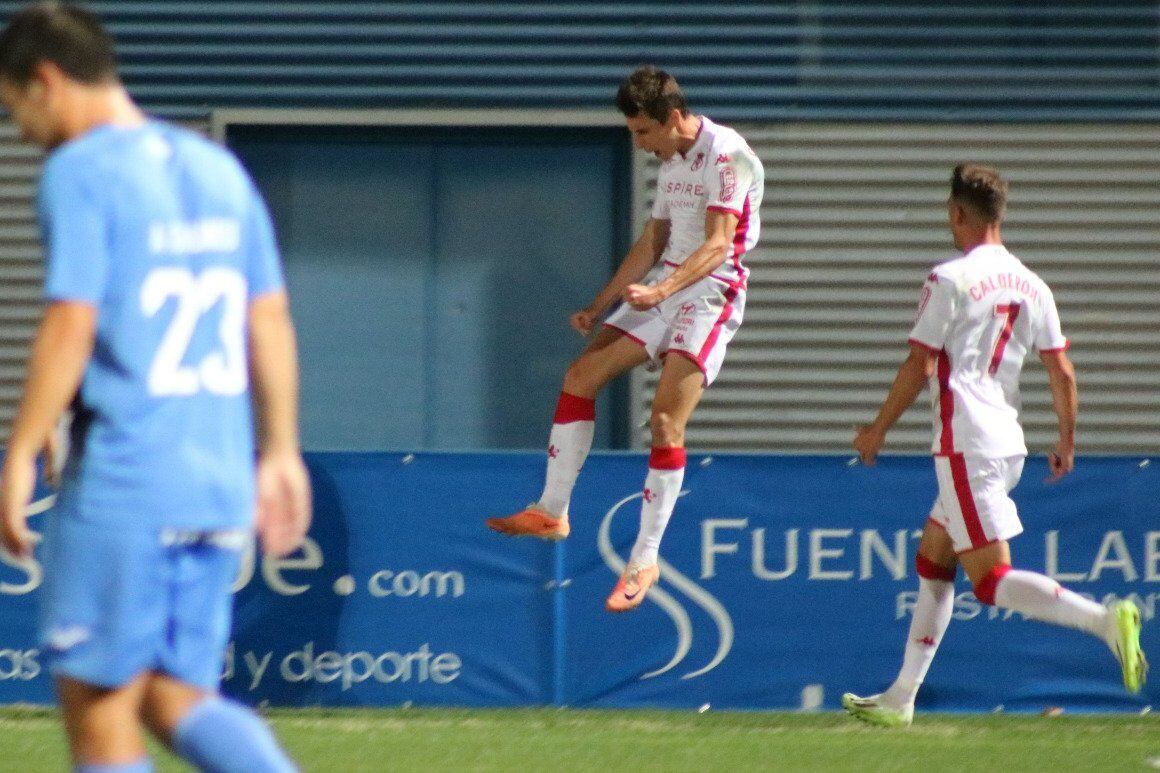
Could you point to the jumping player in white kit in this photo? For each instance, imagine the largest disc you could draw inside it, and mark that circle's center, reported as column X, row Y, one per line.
column 683, row 313
column 978, row 316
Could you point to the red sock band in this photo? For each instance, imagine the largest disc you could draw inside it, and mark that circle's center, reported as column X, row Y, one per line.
column 929, row 570
column 571, row 408
column 985, row 590
column 667, row 458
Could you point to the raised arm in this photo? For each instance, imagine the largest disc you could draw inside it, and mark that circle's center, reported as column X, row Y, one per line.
column 639, row 260
column 283, row 485
column 60, row 352
column 719, row 230
column 1065, row 399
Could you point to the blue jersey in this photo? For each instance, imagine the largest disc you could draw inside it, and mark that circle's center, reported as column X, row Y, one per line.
column 164, row 233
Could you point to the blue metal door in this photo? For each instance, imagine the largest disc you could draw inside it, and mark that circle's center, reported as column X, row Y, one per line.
column 432, row 273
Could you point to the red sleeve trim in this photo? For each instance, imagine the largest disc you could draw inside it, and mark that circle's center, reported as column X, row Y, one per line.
column 727, row 210
column 1064, row 348
column 921, row 345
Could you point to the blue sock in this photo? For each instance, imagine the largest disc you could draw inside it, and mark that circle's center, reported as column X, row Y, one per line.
column 220, row 736
column 143, row 765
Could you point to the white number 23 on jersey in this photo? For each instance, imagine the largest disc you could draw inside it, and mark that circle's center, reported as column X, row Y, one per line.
column 221, row 372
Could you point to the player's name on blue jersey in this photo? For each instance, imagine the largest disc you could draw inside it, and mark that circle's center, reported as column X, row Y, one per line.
column 195, row 237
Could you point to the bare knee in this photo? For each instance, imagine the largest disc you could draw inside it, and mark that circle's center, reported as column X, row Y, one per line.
column 667, row 430
column 986, row 583
column 936, row 545
column 985, row 567
column 102, row 723
column 165, row 703
column 580, row 380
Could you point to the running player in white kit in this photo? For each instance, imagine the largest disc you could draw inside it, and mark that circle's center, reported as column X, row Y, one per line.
column 683, row 313
column 978, row 316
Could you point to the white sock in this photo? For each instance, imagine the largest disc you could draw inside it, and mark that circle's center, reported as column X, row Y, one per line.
column 1041, row 598
column 929, row 621
column 568, row 446
column 662, row 487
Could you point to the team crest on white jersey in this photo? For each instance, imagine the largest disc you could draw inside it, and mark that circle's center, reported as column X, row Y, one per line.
column 728, row 183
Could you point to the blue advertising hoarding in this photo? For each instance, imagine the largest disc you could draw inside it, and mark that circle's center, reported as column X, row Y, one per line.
column 786, row 581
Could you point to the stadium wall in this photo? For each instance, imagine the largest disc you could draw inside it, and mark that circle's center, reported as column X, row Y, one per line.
column 858, row 109
column 895, row 60
column 785, row 582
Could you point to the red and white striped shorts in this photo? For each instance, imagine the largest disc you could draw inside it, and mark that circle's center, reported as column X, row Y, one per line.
column 696, row 323
column 973, row 503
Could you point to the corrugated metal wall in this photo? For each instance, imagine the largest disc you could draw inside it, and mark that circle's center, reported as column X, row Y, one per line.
column 854, row 215
column 20, row 265
column 1022, row 59
column 780, row 66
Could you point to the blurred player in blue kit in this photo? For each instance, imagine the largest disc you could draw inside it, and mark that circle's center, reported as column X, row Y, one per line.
column 165, row 300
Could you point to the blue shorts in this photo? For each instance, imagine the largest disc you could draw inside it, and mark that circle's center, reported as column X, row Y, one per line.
column 120, row 602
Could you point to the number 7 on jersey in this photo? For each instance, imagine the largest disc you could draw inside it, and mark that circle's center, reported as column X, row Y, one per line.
column 1011, row 312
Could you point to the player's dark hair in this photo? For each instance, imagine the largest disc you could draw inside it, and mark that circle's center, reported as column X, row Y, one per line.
column 651, row 92
column 67, row 35
column 980, row 189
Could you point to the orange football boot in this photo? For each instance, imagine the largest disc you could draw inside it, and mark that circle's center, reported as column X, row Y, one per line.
column 531, row 522
column 631, row 587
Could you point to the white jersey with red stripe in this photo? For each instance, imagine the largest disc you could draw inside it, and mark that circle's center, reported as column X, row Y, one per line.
column 982, row 313
column 720, row 172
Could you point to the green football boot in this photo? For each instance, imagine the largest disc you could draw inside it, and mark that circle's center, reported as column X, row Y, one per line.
column 872, row 711
column 1126, row 644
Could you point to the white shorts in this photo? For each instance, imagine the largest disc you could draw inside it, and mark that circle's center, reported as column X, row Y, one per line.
column 698, row 323
column 973, row 505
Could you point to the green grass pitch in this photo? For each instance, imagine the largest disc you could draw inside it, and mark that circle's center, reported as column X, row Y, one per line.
column 549, row 739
